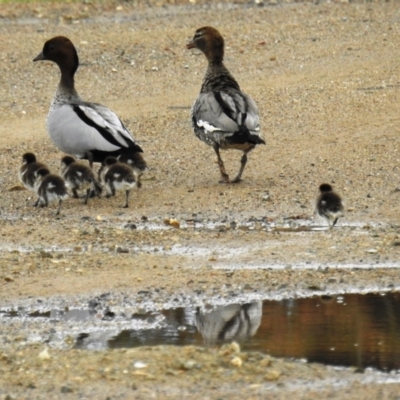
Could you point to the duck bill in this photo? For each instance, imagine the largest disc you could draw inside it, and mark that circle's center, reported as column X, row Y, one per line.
column 190, row 45
column 39, row 57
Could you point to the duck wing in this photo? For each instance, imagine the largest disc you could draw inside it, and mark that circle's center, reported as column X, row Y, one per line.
column 106, row 122
column 232, row 115
column 80, row 128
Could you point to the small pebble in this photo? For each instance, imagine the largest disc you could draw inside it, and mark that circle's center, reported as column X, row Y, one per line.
column 44, row 355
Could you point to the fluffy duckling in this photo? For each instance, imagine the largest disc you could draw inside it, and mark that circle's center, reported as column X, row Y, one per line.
column 79, row 128
column 223, row 116
column 50, row 188
column 79, row 177
column 117, row 176
column 329, row 204
column 137, row 163
column 28, row 169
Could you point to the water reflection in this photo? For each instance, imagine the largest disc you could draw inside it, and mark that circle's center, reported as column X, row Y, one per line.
column 235, row 322
column 357, row 330
column 361, row 330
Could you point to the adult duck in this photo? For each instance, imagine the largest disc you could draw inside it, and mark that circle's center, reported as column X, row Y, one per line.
column 223, row 116
column 82, row 129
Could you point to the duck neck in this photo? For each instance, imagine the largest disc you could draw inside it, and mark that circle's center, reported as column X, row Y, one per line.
column 67, row 81
column 218, row 78
column 66, row 87
column 68, row 67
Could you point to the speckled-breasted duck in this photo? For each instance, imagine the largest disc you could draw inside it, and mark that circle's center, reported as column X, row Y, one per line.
column 117, row 176
column 79, row 177
column 50, row 188
column 27, row 170
column 329, row 204
column 79, row 128
column 223, row 116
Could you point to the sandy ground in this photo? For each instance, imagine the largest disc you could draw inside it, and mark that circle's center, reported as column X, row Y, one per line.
column 326, row 79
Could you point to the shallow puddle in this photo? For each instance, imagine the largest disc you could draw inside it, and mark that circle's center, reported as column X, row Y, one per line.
column 360, row 330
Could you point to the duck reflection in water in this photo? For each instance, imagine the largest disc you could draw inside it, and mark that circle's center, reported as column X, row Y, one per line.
column 235, row 322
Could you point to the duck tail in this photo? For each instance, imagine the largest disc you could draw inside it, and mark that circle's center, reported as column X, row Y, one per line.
column 244, row 135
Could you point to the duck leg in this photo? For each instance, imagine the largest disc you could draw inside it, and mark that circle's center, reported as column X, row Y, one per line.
column 89, row 156
column 243, row 162
column 87, row 196
column 44, row 201
column 75, row 193
column 224, row 175
column 137, row 179
column 126, row 205
column 110, row 189
column 95, row 188
column 59, row 207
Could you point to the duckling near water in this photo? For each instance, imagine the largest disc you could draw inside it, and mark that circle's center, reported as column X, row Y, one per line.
column 117, row 176
column 329, row 204
column 49, row 188
column 79, row 177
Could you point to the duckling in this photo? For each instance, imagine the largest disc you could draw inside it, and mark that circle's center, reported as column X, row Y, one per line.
column 138, row 164
column 27, row 170
column 223, row 116
column 117, row 176
column 79, row 177
column 329, row 204
column 50, row 188
column 82, row 129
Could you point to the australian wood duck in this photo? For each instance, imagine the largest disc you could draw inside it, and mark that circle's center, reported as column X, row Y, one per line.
column 27, row 170
column 79, row 128
column 329, row 204
column 223, row 116
column 138, row 164
column 50, row 188
column 79, row 177
column 117, row 176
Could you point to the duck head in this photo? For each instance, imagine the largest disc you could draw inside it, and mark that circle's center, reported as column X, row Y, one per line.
column 61, row 51
column 28, row 158
column 210, row 42
column 325, row 187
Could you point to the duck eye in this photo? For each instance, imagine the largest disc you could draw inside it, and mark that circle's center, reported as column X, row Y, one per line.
column 49, row 47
